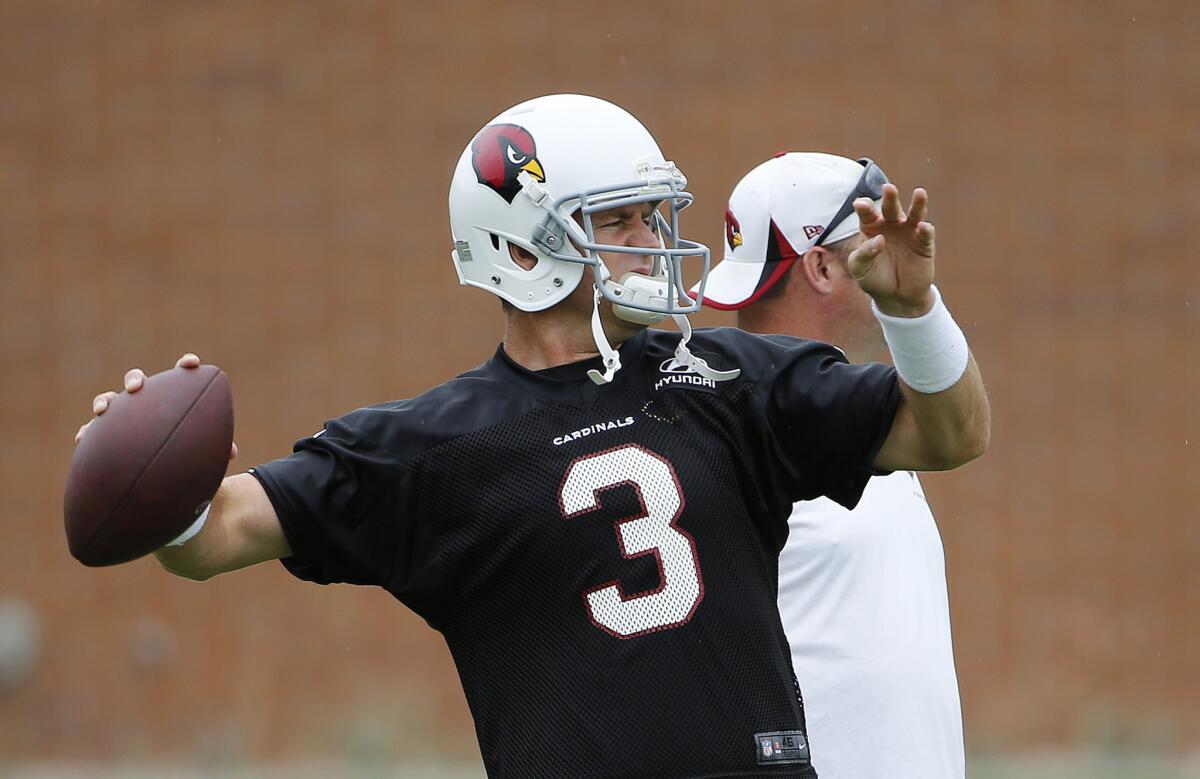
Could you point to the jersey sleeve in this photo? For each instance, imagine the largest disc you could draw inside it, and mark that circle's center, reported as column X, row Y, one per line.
column 347, row 506
column 825, row 419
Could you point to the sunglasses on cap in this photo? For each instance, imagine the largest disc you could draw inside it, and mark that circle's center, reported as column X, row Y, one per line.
column 870, row 184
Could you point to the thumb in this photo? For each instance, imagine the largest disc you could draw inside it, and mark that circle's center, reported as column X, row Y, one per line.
column 862, row 259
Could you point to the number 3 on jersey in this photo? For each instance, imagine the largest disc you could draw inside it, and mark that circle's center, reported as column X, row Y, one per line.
column 653, row 531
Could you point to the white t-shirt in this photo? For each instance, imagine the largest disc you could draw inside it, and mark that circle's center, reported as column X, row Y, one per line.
column 862, row 595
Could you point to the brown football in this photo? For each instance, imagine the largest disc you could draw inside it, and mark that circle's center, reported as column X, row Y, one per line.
column 146, row 465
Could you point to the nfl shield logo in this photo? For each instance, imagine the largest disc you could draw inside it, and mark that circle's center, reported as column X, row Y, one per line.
column 768, row 750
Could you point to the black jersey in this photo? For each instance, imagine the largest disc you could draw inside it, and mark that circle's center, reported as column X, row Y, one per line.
column 602, row 560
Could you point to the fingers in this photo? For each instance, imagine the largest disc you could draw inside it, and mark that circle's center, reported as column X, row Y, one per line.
column 918, row 212
column 134, row 380
column 918, row 207
column 892, row 212
column 869, row 219
column 99, row 406
column 101, row 401
column 862, row 260
column 874, row 221
column 925, row 235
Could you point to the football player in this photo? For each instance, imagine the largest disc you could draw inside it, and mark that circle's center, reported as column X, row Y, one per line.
column 592, row 517
column 862, row 592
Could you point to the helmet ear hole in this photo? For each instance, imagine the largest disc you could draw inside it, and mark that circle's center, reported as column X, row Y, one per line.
column 520, row 256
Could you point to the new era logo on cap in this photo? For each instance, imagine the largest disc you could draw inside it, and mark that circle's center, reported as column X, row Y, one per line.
column 812, row 231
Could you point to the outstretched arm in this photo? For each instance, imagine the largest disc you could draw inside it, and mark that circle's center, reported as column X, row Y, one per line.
column 944, row 419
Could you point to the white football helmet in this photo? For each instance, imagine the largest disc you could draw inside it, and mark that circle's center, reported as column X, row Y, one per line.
column 522, row 179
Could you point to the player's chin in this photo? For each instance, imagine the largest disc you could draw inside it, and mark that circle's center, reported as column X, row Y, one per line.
column 618, row 330
column 614, row 323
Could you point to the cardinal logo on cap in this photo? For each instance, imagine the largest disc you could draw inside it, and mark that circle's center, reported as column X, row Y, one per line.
column 499, row 153
column 733, row 230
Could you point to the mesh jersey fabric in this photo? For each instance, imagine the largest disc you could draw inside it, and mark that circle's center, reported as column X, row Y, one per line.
column 602, row 561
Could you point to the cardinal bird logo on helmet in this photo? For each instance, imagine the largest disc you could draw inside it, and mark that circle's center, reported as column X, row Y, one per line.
column 499, row 153
column 733, row 230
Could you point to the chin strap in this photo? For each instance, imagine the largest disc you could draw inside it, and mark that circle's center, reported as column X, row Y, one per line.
column 611, row 357
column 684, row 356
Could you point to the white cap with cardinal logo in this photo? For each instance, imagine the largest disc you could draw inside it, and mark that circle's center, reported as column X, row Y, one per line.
column 776, row 213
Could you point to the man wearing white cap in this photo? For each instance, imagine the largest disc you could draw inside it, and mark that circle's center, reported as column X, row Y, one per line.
column 862, row 592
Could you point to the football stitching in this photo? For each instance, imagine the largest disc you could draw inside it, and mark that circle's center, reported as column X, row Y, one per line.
column 116, row 507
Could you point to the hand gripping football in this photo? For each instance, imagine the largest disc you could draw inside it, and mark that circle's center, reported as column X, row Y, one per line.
column 145, row 467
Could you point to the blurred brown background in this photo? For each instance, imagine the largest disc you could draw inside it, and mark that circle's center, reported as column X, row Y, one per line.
column 265, row 183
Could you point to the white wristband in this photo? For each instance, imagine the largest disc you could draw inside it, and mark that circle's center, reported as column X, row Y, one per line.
column 195, row 528
column 930, row 351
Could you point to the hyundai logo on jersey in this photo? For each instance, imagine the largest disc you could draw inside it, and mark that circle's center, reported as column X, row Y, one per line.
column 677, row 373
